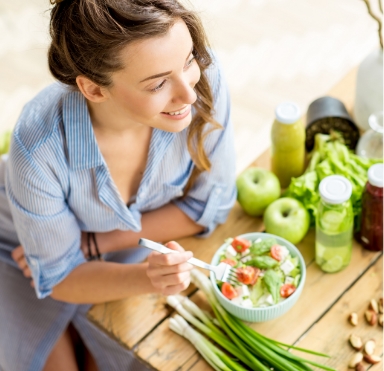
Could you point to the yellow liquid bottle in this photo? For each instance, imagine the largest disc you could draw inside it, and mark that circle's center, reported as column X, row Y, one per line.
column 288, row 143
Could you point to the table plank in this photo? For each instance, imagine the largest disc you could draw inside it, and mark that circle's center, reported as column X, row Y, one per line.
column 124, row 322
column 334, row 325
column 196, row 363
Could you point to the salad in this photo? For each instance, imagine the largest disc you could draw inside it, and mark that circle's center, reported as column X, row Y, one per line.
column 266, row 271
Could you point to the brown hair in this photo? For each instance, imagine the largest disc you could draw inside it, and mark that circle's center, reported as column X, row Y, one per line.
column 87, row 36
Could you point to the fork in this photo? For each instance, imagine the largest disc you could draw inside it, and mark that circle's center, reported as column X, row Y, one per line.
column 223, row 272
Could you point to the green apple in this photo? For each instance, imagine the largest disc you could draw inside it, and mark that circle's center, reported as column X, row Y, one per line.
column 287, row 218
column 256, row 189
column 5, row 139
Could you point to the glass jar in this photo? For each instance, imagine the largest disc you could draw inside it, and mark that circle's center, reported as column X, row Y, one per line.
column 371, row 232
column 288, row 143
column 370, row 143
column 334, row 224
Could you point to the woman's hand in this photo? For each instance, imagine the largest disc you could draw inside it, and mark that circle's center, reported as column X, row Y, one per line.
column 19, row 257
column 170, row 273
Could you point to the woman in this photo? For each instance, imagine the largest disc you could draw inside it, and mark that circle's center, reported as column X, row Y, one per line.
column 133, row 141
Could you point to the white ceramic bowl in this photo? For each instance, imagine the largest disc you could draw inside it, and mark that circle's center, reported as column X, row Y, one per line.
column 265, row 313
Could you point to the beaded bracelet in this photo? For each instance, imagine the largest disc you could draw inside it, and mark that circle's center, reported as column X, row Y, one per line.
column 92, row 256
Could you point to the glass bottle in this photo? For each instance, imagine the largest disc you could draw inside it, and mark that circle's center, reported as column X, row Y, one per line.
column 334, row 224
column 370, row 143
column 288, row 143
column 371, row 232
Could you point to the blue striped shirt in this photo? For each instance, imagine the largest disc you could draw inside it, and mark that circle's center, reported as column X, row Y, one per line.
column 55, row 183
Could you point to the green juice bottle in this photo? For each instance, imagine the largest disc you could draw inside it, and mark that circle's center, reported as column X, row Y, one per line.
column 334, row 224
column 288, row 143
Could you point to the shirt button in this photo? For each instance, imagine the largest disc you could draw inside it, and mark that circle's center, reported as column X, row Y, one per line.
column 33, row 262
column 218, row 191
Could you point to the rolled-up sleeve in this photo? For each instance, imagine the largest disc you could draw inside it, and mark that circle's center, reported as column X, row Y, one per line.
column 214, row 193
column 47, row 229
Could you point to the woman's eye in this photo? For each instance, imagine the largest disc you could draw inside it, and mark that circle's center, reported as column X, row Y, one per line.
column 158, row 87
column 190, row 61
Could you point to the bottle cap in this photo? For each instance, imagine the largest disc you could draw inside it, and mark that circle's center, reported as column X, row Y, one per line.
column 375, row 175
column 335, row 189
column 287, row 112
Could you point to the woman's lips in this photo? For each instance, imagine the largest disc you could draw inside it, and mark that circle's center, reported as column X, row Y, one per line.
column 184, row 113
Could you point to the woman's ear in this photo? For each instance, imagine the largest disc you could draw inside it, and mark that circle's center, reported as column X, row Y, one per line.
column 90, row 90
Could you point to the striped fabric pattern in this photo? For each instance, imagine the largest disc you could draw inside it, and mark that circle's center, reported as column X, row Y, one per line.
column 55, row 183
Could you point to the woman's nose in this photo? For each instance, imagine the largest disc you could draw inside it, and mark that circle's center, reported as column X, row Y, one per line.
column 185, row 93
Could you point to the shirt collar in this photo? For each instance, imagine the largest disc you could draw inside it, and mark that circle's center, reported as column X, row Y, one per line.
column 83, row 150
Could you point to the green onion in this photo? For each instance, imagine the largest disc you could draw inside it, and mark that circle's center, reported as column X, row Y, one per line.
column 211, row 331
column 213, row 355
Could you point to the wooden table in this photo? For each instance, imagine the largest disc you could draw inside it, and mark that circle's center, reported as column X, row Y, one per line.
column 318, row 320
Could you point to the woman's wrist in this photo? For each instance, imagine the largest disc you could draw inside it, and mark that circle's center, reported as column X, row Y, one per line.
column 116, row 240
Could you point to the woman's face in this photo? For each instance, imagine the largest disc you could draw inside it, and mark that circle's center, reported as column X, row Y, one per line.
column 156, row 87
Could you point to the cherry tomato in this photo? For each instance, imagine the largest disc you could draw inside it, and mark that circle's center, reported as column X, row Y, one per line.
column 277, row 252
column 228, row 290
column 287, row 290
column 248, row 275
column 229, row 261
column 240, row 244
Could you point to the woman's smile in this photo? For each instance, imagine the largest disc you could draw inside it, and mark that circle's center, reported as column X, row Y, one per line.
column 178, row 115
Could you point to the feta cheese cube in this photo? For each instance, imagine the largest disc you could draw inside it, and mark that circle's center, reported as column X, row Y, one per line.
column 237, row 300
column 242, row 291
column 263, row 300
column 284, row 253
column 269, row 300
column 287, row 267
column 289, row 279
column 246, row 258
column 230, row 252
column 247, row 303
column 245, row 290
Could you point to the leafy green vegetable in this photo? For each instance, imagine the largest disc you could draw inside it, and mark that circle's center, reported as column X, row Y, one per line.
column 262, row 262
column 330, row 156
column 297, row 280
column 272, row 280
column 294, row 272
column 263, row 246
column 257, row 291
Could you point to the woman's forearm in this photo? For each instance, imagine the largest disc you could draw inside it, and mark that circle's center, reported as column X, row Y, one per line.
column 98, row 282
column 164, row 224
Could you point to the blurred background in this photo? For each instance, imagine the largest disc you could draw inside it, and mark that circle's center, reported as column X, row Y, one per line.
column 271, row 51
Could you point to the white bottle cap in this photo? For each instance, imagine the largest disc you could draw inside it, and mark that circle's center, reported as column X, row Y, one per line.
column 287, row 112
column 375, row 175
column 335, row 189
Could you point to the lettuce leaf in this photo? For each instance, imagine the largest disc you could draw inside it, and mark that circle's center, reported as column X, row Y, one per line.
column 263, row 246
column 331, row 156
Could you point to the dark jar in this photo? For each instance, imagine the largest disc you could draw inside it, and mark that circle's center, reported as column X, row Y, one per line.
column 371, row 233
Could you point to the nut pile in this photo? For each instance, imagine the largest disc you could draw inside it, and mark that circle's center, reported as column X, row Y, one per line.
column 373, row 316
